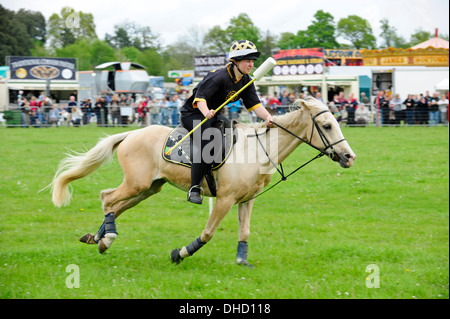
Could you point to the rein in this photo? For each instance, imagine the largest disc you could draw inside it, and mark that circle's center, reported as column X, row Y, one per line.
column 322, row 151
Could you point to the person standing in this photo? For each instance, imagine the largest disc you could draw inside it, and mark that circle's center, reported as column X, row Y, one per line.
column 396, row 103
column 86, row 108
column 174, row 110
column 421, row 111
column 115, row 111
column 72, row 103
column 433, row 109
column 443, row 109
column 234, row 109
column 284, row 102
column 155, row 109
column 351, row 107
column 142, row 113
column 104, row 111
column 410, row 105
column 381, row 102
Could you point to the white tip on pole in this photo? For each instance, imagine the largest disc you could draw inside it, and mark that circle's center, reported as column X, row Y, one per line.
column 264, row 68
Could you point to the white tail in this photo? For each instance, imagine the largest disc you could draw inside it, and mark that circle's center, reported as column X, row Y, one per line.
column 78, row 165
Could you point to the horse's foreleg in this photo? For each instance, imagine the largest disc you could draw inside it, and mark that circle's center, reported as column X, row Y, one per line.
column 244, row 212
column 222, row 207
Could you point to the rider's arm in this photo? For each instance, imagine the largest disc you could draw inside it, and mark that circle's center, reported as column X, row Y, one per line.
column 262, row 113
column 205, row 110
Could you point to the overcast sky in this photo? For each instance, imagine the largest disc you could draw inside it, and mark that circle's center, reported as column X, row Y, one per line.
column 171, row 18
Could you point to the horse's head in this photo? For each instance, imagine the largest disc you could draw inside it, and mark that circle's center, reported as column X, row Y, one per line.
column 324, row 132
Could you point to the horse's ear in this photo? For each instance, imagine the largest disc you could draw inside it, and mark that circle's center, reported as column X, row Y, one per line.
column 298, row 104
column 310, row 103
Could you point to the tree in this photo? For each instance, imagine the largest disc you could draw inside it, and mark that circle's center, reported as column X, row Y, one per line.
column 129, row 34
column 152, row 60
column 89, row 53
column 131, row 54
column 420, row 36
column 239, row 28
column 121, row 39
column 287, row 41
column 217, row 40
column 358, row 31
column 35, row 24
column 321, row 33
column 14, row 39
column 390, row 36
column 243, row 28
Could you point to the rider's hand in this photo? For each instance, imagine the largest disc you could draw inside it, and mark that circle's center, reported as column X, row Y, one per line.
column 210, row 114
column 269, row 119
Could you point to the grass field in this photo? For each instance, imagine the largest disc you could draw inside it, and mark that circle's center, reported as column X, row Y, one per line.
column 312, row 236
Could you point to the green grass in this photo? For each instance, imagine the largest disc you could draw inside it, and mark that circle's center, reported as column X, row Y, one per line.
column 312, row 236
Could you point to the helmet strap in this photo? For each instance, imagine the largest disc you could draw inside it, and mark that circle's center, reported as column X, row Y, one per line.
column 234, row 63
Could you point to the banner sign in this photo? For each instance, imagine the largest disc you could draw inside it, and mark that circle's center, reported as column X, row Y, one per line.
column 298, row 61
column 338, row 54
column 205, row 63
column 40, row 68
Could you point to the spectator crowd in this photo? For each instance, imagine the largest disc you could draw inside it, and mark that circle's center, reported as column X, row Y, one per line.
column 118, row 110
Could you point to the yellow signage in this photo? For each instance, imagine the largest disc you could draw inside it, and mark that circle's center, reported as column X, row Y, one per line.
column 431, row 60
column 392, row 57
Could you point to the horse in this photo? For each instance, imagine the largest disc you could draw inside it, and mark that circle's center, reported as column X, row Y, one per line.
column 244, row 175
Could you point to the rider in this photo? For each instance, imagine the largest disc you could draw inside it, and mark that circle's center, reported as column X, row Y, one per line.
column 215, row 88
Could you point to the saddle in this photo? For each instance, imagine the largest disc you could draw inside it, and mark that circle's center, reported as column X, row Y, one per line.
column 184, row 153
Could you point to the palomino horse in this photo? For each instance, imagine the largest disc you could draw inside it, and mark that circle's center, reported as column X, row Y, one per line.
column 246, row 172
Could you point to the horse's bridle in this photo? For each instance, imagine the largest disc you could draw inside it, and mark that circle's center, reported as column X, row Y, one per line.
column 322, row 136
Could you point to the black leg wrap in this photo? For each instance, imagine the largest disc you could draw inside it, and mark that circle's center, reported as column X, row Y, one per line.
column 100, row 233
column 110, row 224
column 242, row 250
column 194, row 246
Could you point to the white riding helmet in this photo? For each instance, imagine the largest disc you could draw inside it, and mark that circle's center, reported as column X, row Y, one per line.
column 243, row 50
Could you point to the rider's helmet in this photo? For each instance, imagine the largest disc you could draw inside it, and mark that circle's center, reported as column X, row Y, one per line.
column 243, row 50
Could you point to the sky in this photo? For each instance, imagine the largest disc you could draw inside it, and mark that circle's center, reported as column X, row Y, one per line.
column 171, row 19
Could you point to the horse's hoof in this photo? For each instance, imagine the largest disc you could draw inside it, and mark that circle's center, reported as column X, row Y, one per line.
column 106, row 242
column 88, row 239
column 175, row 256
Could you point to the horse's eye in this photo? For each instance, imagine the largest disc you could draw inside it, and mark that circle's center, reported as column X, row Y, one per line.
column 327, row 127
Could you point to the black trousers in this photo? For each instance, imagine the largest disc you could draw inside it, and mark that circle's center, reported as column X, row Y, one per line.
column 200, row 162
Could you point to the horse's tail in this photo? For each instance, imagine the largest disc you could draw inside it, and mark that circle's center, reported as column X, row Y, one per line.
column 78, row 165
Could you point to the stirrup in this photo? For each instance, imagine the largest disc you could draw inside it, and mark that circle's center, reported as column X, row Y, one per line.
column 195, row 199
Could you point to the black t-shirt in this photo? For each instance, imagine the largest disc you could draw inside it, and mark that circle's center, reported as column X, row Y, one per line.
column 433, row 107
column 217, row 87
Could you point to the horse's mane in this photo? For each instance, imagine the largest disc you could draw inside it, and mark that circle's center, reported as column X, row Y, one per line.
column 292, row 116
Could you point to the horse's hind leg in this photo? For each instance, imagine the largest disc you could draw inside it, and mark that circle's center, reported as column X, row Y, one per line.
column 117, row 201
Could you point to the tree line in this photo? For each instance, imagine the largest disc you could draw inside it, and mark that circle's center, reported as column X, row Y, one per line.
column 71, row 33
